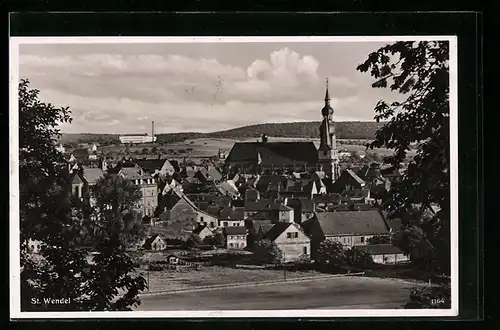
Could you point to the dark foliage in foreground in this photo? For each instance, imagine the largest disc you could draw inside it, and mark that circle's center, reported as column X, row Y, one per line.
column 63, row 268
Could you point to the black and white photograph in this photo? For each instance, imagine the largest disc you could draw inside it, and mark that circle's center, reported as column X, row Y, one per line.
column 233, row 177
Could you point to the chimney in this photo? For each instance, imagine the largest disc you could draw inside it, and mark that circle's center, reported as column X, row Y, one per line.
column 152, row 132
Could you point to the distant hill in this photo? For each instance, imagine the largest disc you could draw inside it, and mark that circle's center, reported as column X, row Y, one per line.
column 345, row 130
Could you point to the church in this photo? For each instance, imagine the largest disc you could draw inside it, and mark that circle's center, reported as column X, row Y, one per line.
column 265, row 157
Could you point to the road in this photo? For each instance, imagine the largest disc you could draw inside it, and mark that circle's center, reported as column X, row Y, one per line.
column 333, row 293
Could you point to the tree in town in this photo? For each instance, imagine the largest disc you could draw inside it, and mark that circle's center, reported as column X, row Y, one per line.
column 220, row 240
column 145, row 151
column 331, row 253
column 46, row 214
column 193, row 241
column 419, row 72
column 358, row 258
column 266, row 251
column 379, row 239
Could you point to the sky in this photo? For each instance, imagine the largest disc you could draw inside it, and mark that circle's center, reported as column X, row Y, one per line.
column 200, row 87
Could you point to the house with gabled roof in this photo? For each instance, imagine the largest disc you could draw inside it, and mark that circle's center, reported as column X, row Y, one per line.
column 348, row 180
column 203, row 231
column 79, row 155
column 232, row 217
column 350, row 228
column 303, row 208
column 291, row 240
column 155, row 243
column 236, row 237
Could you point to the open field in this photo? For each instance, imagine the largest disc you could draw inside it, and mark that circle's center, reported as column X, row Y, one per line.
column 333, row 293
column 215, row 275
column 208, row 147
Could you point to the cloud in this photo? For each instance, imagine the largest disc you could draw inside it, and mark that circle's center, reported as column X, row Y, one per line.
column 118, row 93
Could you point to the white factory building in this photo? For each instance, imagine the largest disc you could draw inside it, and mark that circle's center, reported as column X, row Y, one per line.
column 137, row 138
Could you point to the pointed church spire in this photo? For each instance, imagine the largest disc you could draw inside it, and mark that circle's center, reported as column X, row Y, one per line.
column 327, row 95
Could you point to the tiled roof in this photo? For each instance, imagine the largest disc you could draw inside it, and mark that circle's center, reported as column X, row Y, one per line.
column 265, row 181
column 355, row 177
column 232, row 213
column 92, row 175
column 151, row 165
column 352, row 222
column 199, row 229
column 133, row 173
column 283, row 153
column 150, row 240
column 235, row 230
column 276, row 230
column 377, row 249
column 80, row 153
column 262, row 205
column 327, row 198
column 307, row 205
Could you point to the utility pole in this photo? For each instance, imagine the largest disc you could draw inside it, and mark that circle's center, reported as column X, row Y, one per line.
column 284, row 266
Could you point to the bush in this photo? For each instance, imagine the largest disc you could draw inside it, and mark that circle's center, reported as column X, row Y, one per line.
column 379, row 239
column 331, row 253
column 193, row 241
column 266, row 251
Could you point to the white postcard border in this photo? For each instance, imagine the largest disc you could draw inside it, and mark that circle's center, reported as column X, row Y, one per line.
column 14, row 237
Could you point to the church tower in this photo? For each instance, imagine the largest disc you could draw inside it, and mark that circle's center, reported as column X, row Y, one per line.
column 327, row 152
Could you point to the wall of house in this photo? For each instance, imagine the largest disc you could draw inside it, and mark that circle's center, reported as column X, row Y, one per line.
column 205, row 233
column 286, row 216
column 348, row 241
column 293, row 247
column 231, row 223
column 77, row 189
column 306, row 216
column 182, row 211
column 236, row 241
column 203, row 218
column 158, row 244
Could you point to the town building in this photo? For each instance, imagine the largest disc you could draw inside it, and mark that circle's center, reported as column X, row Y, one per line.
column 291, row 240
column 137, row 138
column 155, row 243
column 385, row 254
column 236, row 237
column 327, row 151
column 232, row 217
column 350, row 228
column 148, row 202
column 203, row 231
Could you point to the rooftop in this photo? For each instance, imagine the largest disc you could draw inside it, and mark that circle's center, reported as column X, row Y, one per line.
column 352, row 223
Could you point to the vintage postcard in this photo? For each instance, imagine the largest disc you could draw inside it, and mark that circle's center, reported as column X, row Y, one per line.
column 233, row 177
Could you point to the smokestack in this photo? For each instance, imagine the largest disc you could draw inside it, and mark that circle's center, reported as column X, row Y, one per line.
column 152, row 132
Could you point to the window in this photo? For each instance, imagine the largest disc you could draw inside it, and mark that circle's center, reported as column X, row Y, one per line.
column 237, row 224
column 32, row 247
column 230, row 245
column 201, row 219
column 224, row 224
column 362, row 239
column 305, row 250
column 296, row 235
column 288, row 235
column 212, row 225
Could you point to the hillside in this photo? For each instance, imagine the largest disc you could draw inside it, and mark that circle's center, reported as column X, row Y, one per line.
column 345, row 130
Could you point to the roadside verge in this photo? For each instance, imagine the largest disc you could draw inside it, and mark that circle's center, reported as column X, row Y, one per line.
column 247, row 284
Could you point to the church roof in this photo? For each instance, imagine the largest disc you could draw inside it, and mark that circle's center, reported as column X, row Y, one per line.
column 271, row 153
